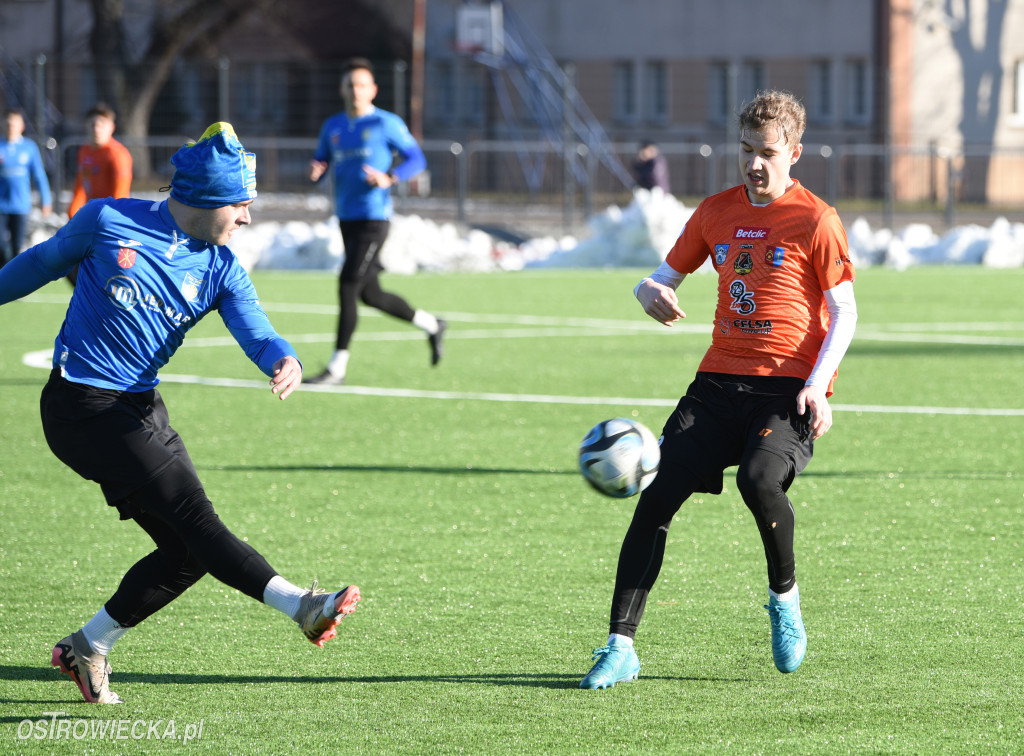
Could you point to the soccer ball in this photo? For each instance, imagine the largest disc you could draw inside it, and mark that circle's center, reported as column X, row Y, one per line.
column 619, row 457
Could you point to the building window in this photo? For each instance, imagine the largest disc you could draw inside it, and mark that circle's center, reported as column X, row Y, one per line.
column 752, row 80
column 444, row 90
column 820, row 91
column 624, row 90
column 656, row 90
column 474, row 83
column 718, row 92
column 859, row 84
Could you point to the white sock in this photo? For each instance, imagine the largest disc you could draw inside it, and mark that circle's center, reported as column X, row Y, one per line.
column 787, row 596
column 102, row 632
column 338, row 364
column 425, row 321
column 283, row 596
column 619, row 640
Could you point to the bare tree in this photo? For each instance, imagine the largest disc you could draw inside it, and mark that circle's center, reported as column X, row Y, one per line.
column 131, row 84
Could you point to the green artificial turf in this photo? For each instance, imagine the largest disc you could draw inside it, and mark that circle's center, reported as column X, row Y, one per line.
column 450, row 495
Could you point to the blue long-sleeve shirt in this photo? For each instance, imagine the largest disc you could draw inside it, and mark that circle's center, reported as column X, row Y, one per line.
column 142, row 284
column 20, row 167
column 348, row 144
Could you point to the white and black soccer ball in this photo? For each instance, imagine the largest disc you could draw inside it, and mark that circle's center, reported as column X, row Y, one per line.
column 619, row 457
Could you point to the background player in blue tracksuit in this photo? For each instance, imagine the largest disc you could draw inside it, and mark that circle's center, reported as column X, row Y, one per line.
column 20, row 167
column 361, row 143
column 148, row 272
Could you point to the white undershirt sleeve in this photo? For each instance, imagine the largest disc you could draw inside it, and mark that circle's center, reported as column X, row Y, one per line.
column 665, row 275
column 842, row 310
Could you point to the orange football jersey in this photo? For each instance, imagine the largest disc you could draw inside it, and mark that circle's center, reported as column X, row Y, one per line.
column 102, row 172
column 774, row 263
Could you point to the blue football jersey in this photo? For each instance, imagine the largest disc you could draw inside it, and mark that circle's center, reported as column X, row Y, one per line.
column 348, row 144
column 142, row 284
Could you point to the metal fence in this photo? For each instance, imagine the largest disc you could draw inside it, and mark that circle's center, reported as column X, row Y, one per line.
column 535, row 172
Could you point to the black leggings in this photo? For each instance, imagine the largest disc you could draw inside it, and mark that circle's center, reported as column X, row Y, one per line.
column 763, row 479
column 360, row 278
column 191, row 540
column 124, row 442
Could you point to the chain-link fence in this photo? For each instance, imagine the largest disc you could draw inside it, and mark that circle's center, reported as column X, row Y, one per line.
column 462, row 175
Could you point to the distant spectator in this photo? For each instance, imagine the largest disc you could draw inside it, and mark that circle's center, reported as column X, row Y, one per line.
column 650, row 169
column 104, row 165
column 20, row 167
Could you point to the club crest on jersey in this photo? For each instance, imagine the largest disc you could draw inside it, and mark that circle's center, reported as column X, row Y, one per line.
column 125, row 257
column 744, row 263
column 774, row 256
column 721, row 250
column 191, row 287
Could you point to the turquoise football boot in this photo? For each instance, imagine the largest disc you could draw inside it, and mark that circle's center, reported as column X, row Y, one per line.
column 615, row 663
column 789, row 639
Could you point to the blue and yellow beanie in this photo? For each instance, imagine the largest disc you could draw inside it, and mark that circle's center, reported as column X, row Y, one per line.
column 215, row 171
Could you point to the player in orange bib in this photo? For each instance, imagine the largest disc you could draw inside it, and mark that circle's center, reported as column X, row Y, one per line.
column 104, row 165
column 785, row 317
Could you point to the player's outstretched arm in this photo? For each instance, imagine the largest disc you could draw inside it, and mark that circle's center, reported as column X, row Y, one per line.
column 286, row 378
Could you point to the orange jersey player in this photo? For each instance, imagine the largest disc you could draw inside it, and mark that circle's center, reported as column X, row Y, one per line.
column 104, row 165
column 785, row 317
column 774, row 264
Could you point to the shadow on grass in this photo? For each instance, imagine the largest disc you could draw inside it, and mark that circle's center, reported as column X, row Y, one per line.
column 420, row 469
column 539, row 680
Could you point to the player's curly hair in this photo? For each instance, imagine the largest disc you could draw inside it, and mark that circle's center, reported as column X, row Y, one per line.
column 775, row 107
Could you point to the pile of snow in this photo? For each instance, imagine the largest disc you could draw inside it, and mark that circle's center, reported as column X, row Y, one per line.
column 638, row 235
column 999, row 246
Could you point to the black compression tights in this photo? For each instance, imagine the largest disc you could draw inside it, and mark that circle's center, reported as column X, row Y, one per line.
column 368, row 291
column 190, row 541
column 763, row 479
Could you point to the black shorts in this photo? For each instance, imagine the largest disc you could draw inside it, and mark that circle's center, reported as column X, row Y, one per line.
column 363, row 240
column 120, row 439
column 722, row 417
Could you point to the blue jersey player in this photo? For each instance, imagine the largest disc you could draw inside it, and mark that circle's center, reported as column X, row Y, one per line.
column 148, row 272
column 361, row 143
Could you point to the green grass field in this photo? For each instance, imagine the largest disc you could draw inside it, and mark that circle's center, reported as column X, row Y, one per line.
column 450, row 495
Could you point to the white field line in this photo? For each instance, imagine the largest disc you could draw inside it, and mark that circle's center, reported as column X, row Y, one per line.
column 538, row 326
column 925, row 332
column 42, row 359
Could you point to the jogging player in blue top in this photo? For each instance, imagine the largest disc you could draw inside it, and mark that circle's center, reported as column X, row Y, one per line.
column 20, row 167
column 148, row 272
column 362, row 142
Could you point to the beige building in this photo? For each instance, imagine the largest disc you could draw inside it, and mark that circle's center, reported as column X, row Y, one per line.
column 940, row 82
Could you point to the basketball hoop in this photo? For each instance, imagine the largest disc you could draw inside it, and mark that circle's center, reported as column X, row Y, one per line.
column 479, row 29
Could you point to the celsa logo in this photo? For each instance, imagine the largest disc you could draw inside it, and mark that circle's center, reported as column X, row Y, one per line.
column 751, row 233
